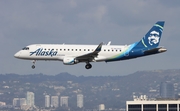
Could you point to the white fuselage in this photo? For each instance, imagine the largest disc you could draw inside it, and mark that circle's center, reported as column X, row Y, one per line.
column 60, row 51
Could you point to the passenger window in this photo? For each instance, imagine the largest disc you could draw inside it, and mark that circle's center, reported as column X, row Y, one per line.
column 64, row 49
column 84, row 49
column 104, row 49
column 79, row 49
column 76, row 49
column 72, row 49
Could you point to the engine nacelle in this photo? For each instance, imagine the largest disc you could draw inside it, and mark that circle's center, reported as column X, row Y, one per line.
column 69, row 61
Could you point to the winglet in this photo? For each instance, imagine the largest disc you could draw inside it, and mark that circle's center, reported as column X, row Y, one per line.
column 109, row 43
column 98, row 49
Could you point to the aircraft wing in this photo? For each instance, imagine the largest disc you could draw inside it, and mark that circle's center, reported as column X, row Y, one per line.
column 90, row 56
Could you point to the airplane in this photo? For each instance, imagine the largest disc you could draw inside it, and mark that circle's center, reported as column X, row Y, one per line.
column 71, row 54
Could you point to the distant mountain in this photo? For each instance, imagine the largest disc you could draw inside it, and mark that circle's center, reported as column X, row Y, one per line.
column 112, row 91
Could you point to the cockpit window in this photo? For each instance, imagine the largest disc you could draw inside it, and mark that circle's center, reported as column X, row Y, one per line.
column 25, row 48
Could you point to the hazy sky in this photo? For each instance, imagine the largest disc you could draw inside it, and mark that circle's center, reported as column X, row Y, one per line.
column 24, row 22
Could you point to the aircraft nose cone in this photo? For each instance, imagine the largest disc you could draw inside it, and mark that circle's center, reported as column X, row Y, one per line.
column 16, row 55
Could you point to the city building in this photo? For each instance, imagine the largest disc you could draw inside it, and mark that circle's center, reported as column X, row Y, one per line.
column 22, row 101
column 64, row 101
column 80, row 101
column 166, row 90
column 47, row 101
column 16, row 102
column 101, row 107
column 54, row 101
column 145, row 104
column 2, row 103
column 30, row 99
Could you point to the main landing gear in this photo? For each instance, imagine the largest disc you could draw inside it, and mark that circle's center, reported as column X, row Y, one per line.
column 88, row 66
column 33, row 66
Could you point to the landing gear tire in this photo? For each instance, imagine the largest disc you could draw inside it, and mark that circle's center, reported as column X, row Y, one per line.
column 33, row 66
column 88, row 66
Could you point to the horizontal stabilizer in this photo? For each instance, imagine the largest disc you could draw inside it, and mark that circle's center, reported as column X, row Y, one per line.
column 155, row 50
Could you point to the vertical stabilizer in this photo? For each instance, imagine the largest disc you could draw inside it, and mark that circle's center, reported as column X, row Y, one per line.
column 153, row 36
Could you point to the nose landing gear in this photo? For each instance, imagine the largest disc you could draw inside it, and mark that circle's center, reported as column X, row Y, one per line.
column 33, row 66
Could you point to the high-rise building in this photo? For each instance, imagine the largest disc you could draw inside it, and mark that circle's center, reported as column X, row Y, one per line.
column 16, row 102
column 22, row 101
column 54, row 101
column 47, row 101
column 64, row 101
column 79, row 100
column 30, row 99
column 166, row 90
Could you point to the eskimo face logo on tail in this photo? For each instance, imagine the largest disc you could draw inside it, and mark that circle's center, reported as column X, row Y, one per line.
column 153, row 38
column 41, row 52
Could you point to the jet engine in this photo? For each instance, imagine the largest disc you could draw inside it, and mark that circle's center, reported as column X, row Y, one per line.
column 69, row 61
